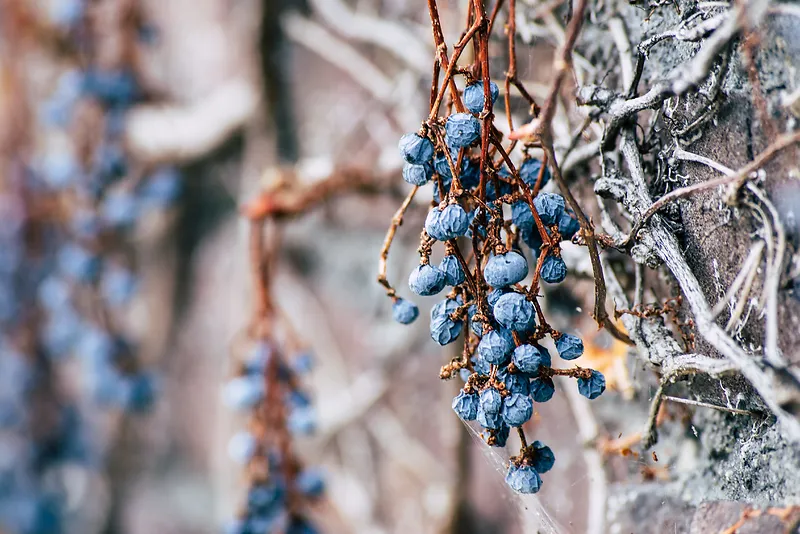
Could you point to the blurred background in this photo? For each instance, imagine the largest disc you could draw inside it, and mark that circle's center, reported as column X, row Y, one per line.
column 131, row 131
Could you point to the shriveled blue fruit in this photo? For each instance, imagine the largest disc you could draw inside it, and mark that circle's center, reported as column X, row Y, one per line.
column 464, row 374
column 592, row 387
column 417, row 174
column 470, row 173
column 504, row 187
column 523, row 479
column 543, row 457
column 517, row 383
column 445, row 330
column 491, row 401
column 549, row 206
column 533, row 239
column 515, row 312
column 447, row 223
column 569, row 347
column 452, row 270
column 568, row 225
column 474, row 97
column 404, row 311
column 426, row 280
column 244, row 392
column 554, row 270
column 466, row 405
column 529, row 172
column 302, row 421
column 529, row 358
column 542, row 389
column 505, row 269
column 493, row 295
column 517, row 409
column 499, row 435
column 481, row 366
column 461, row 130
column 415, row 148
column 310, row 483
column 495, row 347
column 490, row 421
column 521, row 216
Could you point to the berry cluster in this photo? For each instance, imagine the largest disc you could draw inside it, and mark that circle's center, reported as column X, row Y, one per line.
column 268, row 387
column 505, row 367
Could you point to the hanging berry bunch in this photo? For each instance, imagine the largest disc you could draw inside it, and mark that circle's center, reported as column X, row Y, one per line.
column 267, row 385
column 491, row 289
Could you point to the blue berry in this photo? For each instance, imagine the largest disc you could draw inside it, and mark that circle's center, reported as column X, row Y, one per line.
column 542, row 389
column 445, row 330
column 521, row 216
column 162, row 188
column 302, row 363
column 554, row 270
column 481, row 366
column 495, row 347
column 462, row 129
column 500, row 435
column 529, row 358
column 442, row 168
column 464, row 374
column 533, row 239
column 505, row 188
column 466, row 405
column 302, row 421
column 244, row 392
column 417, row 174
column 452, row 270
column 141, row 392
column 242, row 447
column 120, row 209
column 517, row 383
column 569, row 347
column 543, row 457
column 415, row 148
column 470, row 173
column 426, row 280
column 489, row 407
column 54, row 294
column 59, row 169
column 493, row 295
column 447, row 223
column 549, row 206
column 404, row 311
column 515, row 312
column 474, row 97
column 116, row 88
column 523, row 479
column 118, row 285
column 529, row 172
column 593, row 387
column 505, row 269
column 310, row 483
column 517, row 409
column 78, row 263
column 568, row 226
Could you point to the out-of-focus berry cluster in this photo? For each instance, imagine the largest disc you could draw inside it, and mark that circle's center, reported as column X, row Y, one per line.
column 71, row 198
column 498, row 229
column 267, row 386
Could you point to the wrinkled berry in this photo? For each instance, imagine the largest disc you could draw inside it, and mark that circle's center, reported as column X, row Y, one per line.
column 521, row 216
column 493, row 295
column 528, row 358
column 549, row 206
column 500, row 435
column 514, row 312
column 529, row 172
column 447, row 223
column 505, row 269
column 452, row 270
column 554, row 270
column 462, row 129
column 543, row 457
column 542, row 389
column 310, row 483
column 404, row 311
column 495, row 347
column 517, row 409
column 417, row 174
column 415, row 148
column 568, row 225
column 445, row 330
column 569, row 347
column 517, row 383
column 466, row 405
column 593, row 387
column 523, row 479
column 426, row 280
column 474, row 97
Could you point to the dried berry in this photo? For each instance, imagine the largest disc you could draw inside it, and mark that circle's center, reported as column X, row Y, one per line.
column 529, row 172
column 523, row 479
column 517, row 409
column 505, row 269
column 554, row 270
column 474, row 98
column 568, row 225
column 404, row 311
column 496, row 346
column 426, row 280
column 447, row 223
column 451, row 267
column 416, row 149
column 462, row 129
column 515, row 312
column 542, row 389
column 529, row 358
column 569, row 347
column 549, row 206
column 592, row 387
column 543, row 457
column 417, row 174
column 517, row 383
column 445, row 330
column 466, row 405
